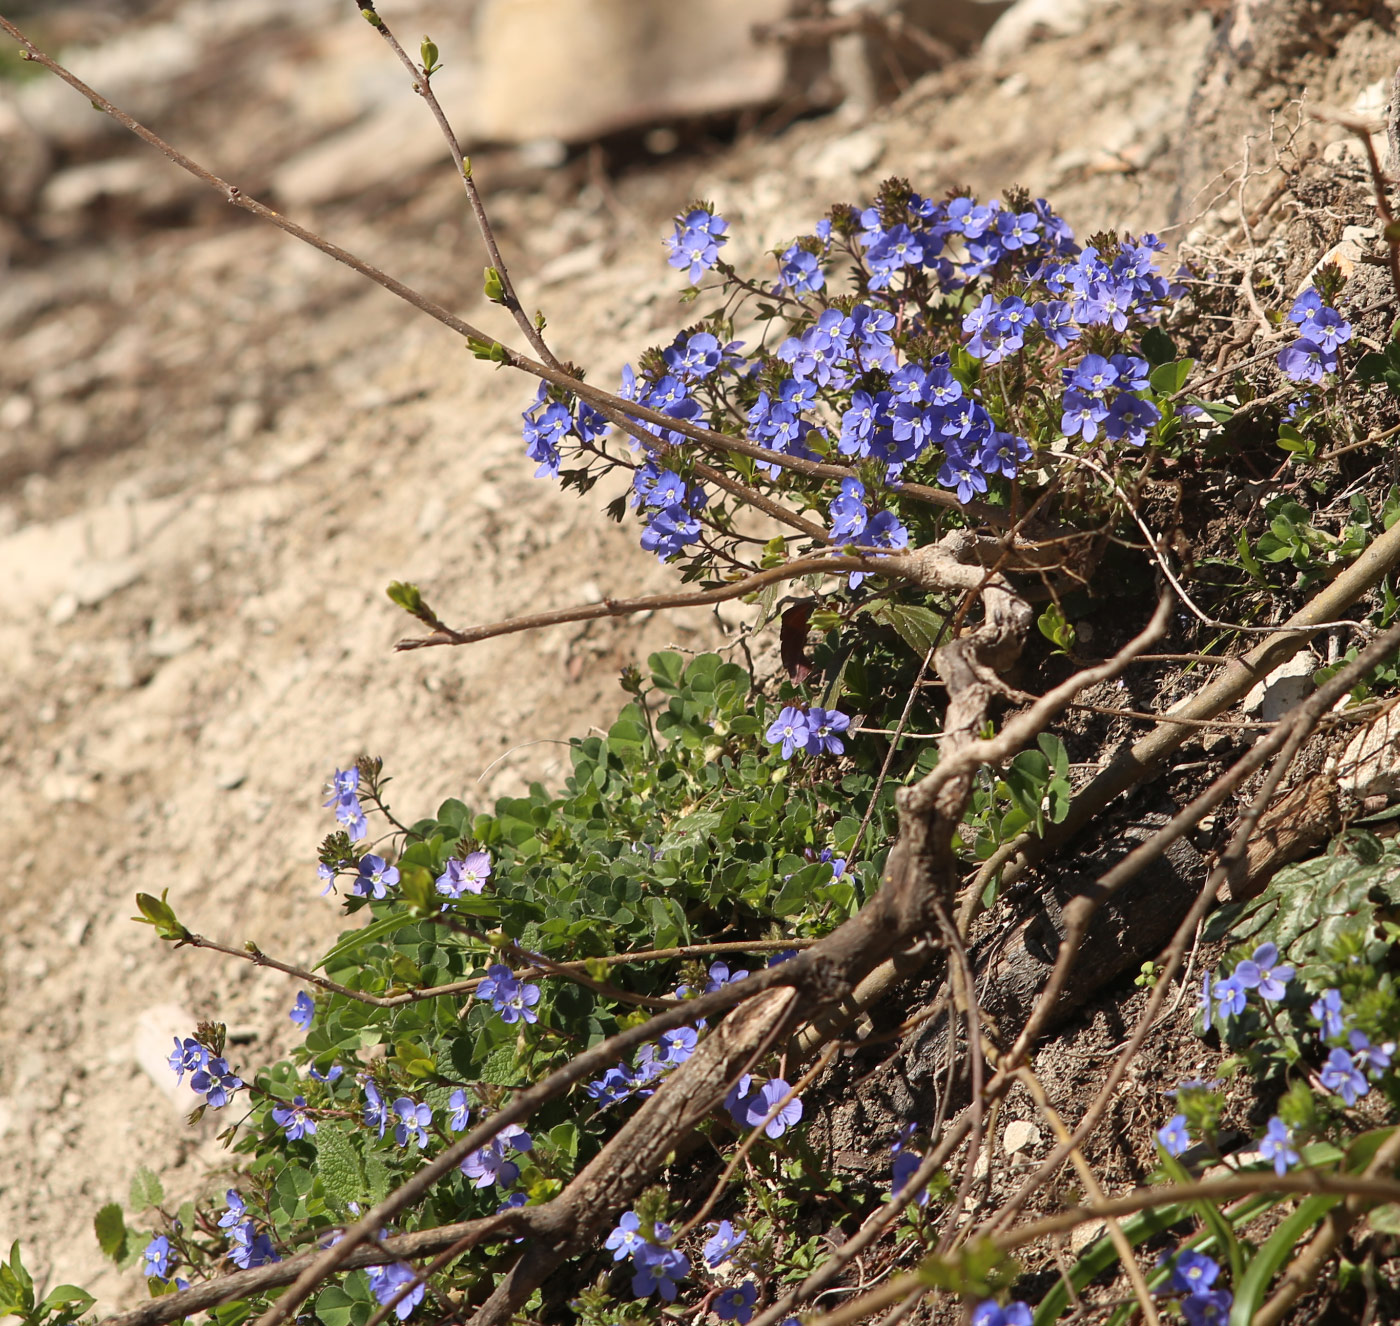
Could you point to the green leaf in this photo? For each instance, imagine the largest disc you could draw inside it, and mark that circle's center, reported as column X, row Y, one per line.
column 110, row 1229
column 158, row 913
column 920, row 628
column 1385, row 1219
column 338, row 1164
column 1251, row 1287
column 1220, row 411
column 334, row 1306
column 146, row 1190
column 500, row 1068
column 492, row 287
column 67, row 1296
column 1158, row 346
column 1168, row 379
column 407, row 596
column 386, row 925
column 1055, row 628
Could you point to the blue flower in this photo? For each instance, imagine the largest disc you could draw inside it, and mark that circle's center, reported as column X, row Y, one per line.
column 1193, row 1271
column 1174, row 1138
column 696, row 241
column 216, row 1082
column 749, row 1107
column 1211, row 1308
column 187, row 1056
column 790, row 730
column 626, row 1237
column 1265, row 973
column 1373, row 1058
column 329, row 1076
column 458, row 1104
column 1230, row 996
column 824, row 731
column 302, row 1010
column 376, row 1112
column 720, row 975
column 991, row 1313
column 1306, row 361
column 158, row 1258
column 512, row 999
column 1339, row 1074
column 800, row 271
column 386, row 1281
column 1277, row 1145
column 720, row 1246
column 248, row 1248
column 1327, row 1010
column 294, row 1120
column 376, row 877
column 237, row 1209
column 736, row 1303
column 906, row 1164
column 465, row 876
column 343, row 789
column 489, row 1165
column 677, row 1046
column 413, row 1119
column 658, row 1270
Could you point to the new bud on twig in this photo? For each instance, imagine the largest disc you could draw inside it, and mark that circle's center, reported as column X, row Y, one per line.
column 429, row 51
column 493, row 288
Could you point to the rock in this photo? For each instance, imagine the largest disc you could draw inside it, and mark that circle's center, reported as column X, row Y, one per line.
column 1287, row 685
column 1028, row 21
column 573, row 70
column 27, row 159
column 1370, row 765
column 1018, row 1135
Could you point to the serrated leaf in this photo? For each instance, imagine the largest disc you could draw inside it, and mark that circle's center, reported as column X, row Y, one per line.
column 500, row 1068
column 146, row 1190
column 920, row 628
column 110, row 1228
column 338, row 1164
column 334, row 1306
column 377, row 1178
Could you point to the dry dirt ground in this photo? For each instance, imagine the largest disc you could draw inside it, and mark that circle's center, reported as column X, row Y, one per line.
column 217, row 447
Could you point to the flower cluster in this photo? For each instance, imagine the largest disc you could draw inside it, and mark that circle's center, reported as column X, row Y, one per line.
column 490, row 1164
column 653, row 1062
column 210, row 1074
column 387, row 1281
column 657, row 1266
column 1321, row 331
column 813, row 730
column 513, row 999
column 247, row 1246
column 344, row 796
column 894, row 377
column 468, row 875
column 1223, row 998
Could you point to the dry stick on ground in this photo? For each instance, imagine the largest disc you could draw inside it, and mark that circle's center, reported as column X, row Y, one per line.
column 1286, row 740
column 1146, row 758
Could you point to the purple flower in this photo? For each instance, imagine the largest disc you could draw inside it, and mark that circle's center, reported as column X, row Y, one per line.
column 720, row 976
column 906, row 1164
column 1277, row 1145
column 658, row 1270
column 991, row 1313
column 1230, row 997
column 750, row 1107
column 1306, row 361
column 1174, row 1138
column 376, row 1113
column 489, row 1165
column 302, row 1010
column 248, row 1248
column 824, row 727
column 626, row 1236
column 386, row 1281
column 696, row 241
column 329, row 1076
column 187, row 1056
column 376, row 877
column 158, row 1258
column 800, row 271
column 468, row 876
column 790, row 730
column 343, row 788
column 722, row 1243
column 736, row 1303
column 294, row 1120
column 1193, row 1271
column 1265, row 973
column 237, row 1209
column 324, row 872
column 677, row 1046
column 509, row 997
column 1339, row 1074
column 1327, row 1009
column 458, row 1104
column 1373, row 1058
column 216, row 1082
column 1211, row 1308
column 413, row 1118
